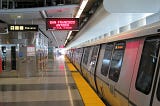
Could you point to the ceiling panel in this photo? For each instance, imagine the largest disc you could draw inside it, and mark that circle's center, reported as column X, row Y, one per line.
column 61, row 36
column 11, row 18
column 37, row 16
column 63, row 12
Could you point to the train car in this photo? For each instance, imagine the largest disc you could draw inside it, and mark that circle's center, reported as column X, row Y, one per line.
column 125, row 69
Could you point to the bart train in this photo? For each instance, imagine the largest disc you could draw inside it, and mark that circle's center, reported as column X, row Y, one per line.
column 124, row 69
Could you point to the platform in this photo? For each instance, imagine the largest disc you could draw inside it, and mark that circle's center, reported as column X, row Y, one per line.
column 55, row 86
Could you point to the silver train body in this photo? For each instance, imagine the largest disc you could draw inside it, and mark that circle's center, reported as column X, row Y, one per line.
column 124, row 69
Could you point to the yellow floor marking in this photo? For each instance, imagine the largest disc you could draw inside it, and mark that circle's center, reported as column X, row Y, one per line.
column 94, row 104
column 89, row 97
column 71, row 67
column 66, row 59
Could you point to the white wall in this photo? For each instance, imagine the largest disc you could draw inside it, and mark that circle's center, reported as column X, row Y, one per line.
column 103, row 22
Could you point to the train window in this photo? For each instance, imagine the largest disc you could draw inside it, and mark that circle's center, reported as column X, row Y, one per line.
column 147, row 64
column 116, row 62
column 158, row 90
column 80, row 55
column 94, row 57
column 75, row 55
column 86, row 55
column 106, row 59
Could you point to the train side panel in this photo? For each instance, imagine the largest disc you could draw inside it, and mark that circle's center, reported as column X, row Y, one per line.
column 127, row 71
column 122, row 87
column 144, row 73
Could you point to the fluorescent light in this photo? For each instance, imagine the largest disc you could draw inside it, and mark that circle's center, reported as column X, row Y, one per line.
column 43, row 12
column 19, row 16
column 83, row 5
column 65, row 42
column 69, row 34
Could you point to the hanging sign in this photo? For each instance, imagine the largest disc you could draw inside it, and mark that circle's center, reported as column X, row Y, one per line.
column 62, row 23
column 22, row 27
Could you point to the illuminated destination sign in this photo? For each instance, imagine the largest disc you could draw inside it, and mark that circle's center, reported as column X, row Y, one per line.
column 62, row 24
column 120, row 46
column 22, row 27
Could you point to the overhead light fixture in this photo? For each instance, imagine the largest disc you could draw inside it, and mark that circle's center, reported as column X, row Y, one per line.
column 65, row 43
column 44, row 14
column 82, row 6
column 19, row 16
column 69, row 34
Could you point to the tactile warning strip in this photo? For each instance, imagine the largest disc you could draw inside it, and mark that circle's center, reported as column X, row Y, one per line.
column 89, row 97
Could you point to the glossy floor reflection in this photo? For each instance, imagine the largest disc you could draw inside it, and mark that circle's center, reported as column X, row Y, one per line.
column 52, row 87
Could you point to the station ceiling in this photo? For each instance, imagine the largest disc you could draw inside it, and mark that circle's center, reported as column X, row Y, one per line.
column 57, row 8
column 37, row 15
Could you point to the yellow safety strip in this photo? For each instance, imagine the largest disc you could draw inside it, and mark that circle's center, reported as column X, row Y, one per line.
column 71, row 67
column 89, row 97
column 67, row 60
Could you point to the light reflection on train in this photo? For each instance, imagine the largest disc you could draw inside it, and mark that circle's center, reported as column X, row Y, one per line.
column 124, row 70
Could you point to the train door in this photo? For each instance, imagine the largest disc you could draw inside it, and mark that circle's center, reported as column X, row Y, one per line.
column 145, row 73
column 101, row 69
column 156, row 99
column 85, row 61
column 93, row 64
column 115, row 70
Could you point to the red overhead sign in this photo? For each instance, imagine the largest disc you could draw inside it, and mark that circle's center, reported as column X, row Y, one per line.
column 62, row 24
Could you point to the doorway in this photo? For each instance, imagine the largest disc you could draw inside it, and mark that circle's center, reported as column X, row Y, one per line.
column 8, row 57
